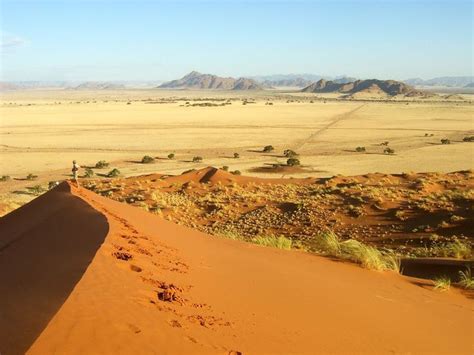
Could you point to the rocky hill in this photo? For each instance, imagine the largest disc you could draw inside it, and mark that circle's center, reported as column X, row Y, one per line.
column 196, row 80
column 99, row 85
column 372, row 87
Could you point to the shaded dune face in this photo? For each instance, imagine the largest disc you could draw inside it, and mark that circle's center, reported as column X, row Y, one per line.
column 51, row 247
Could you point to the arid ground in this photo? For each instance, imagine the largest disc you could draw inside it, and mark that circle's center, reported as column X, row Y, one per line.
column 43, row 131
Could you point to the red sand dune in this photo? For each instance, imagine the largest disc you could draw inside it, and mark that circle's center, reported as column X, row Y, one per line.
column 81, row 274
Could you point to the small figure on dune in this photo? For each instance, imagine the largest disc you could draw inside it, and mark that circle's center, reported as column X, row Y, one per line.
column 75, row 171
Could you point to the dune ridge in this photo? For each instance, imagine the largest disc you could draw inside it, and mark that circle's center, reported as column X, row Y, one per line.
column 147, row 285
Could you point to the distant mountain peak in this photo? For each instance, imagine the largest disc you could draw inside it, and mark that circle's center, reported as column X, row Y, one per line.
column 196, row 80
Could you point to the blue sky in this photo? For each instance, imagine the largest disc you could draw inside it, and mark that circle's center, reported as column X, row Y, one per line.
column 161, row 40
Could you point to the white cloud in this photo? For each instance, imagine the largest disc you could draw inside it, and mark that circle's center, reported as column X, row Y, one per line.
column 8, row 40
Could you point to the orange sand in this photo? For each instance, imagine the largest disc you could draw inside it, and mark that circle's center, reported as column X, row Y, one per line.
column 65, row 288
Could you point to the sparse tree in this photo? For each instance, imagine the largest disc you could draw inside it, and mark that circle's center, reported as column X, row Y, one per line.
column 236, row 155
column 445, row 141
column 171, row 156
column 88, row 173
column 293, row 162
column 101, row 164
column 289, row 153
column 197, row 159
column 389, row 151
column 268, row 148
column 147, row 159
column 360, row 149
column 113, row 173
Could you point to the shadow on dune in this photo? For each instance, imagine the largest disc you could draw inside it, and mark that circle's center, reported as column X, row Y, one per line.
column 45, row 248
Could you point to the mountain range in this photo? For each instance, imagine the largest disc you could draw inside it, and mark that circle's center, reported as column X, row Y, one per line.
column 450, row 81
column 372, row 87
column 196, row 80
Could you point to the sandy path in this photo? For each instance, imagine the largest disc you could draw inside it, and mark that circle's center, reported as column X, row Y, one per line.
column 332, row 123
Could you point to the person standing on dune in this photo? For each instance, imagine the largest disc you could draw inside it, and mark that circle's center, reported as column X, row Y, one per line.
column 75, row 171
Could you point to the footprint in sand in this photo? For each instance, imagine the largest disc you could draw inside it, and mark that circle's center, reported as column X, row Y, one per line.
column 122, row 255
column 136, row 268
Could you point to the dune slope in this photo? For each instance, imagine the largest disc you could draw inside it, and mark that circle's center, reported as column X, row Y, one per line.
column 121, row 280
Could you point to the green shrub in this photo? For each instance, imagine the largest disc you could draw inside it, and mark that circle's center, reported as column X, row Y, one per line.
column 197, row 159
column 360, row 149
column 4, row 178
column 113, row 173
column 445, row 141
column 101, row 164
column 88, row 173
column 389, row 151
column 293, row 162
column 290, row 153
column 147, row 159
column 225, row 168
column 268, row 148
column 171, row 156
column 37, row 189
column 31, row 177
column 236, row 155
column 236, row 172
column 468, row 139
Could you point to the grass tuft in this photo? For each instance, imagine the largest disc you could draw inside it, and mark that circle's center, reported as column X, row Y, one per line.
column 442, row 284
column 467, row 281
column 368, row 256
column 280, row 242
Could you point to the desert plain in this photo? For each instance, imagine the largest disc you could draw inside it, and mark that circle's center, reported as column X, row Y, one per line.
column 43, row 131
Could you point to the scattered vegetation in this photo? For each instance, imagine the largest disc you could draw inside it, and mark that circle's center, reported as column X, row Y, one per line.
column 197, row 159
column 236, row 172
column 455, row 249
column 101, row 164
column 4, row 178
column 31, row 177
column 388, row 151
column 360, row 149
column 236, row 155
column 445, row 141
column 36, row 190
column 113, row 173
column 225, row 168
column 147, row 159
column 171, row 156
column 468, row 139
